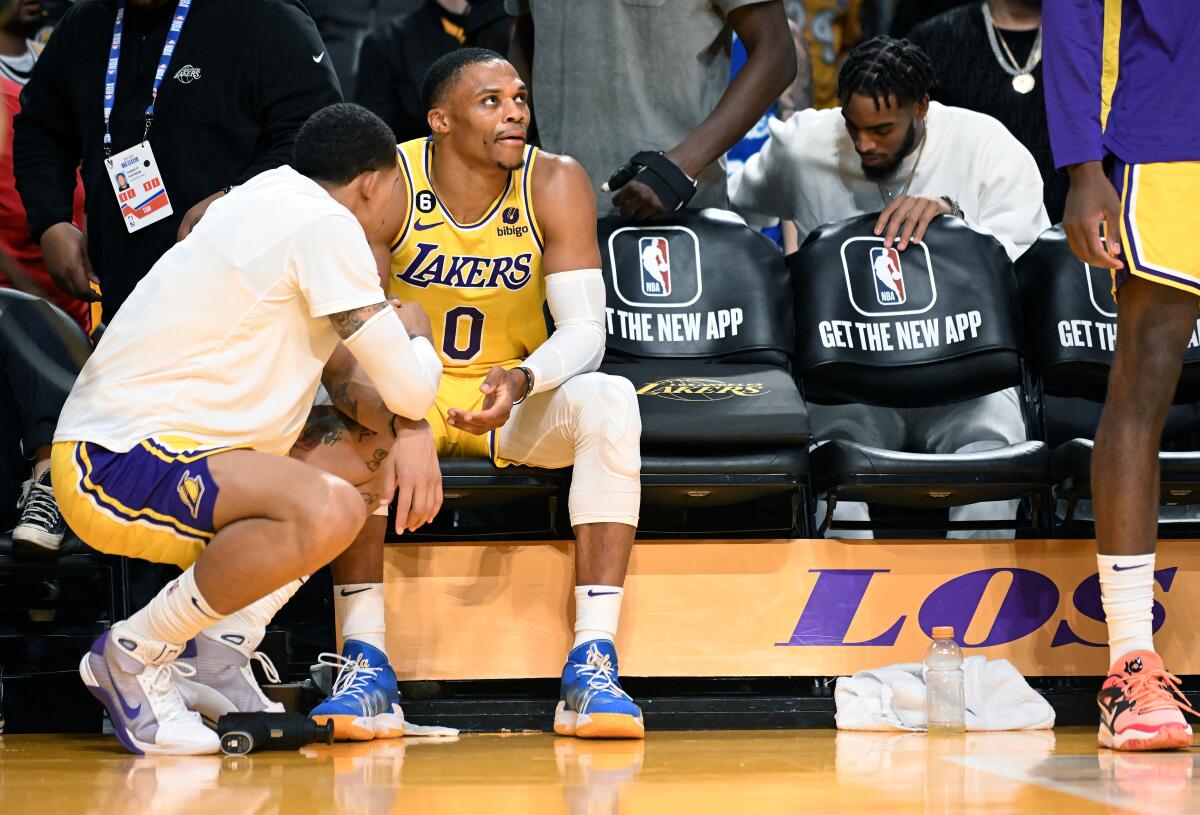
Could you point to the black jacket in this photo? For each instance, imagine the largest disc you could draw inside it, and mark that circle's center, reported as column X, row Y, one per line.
column 255, row 72
column 398, row 52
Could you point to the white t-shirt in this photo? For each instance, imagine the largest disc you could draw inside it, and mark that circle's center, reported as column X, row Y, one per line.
column 224, row 340
column 808, row 172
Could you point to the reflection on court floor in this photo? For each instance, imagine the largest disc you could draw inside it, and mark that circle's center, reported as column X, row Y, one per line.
column 729, row 772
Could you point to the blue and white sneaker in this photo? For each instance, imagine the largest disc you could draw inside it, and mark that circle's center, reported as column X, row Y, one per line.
column 365, row 702
column 134, row 680
column 593, row 703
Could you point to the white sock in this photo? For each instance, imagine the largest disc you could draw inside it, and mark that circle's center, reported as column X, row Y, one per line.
column 176, row 614
column 359, row 608
column 1127, row 592
column 245, row 629
column 597, row 612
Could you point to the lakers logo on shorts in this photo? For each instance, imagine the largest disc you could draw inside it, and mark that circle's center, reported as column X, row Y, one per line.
column 191, row 490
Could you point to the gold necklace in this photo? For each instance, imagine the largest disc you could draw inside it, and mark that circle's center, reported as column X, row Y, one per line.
column 885, row 191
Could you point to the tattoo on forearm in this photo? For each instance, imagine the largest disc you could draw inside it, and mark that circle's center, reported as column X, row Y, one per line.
column 348, row 322
column 324, row 426
column 377, row 459
column 340, row 396
column 371, row 499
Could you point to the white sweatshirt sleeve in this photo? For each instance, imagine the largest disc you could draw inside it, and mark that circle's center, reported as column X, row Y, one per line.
column 762, row 191
column 1010, row 193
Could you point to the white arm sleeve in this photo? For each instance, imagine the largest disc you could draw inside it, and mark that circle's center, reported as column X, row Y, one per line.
column 405, row 372
column 576, row 301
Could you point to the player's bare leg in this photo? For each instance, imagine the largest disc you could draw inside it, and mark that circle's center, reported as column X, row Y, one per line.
column 276, row 520
column 223, row 681
column 591, row 421
column 603, row 710
column 364, row 703
column 1140, row 701
column 602, row 553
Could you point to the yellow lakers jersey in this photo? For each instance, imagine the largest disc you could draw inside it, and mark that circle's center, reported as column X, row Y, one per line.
column 481, row 283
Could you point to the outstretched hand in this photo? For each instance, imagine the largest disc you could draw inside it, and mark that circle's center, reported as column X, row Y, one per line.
column 501, row 389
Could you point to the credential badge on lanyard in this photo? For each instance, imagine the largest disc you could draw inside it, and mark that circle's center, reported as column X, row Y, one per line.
column 134, row 173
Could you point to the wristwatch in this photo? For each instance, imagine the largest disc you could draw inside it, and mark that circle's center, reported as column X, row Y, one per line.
column 955, row 209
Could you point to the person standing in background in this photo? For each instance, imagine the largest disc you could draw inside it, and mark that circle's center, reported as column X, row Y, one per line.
column 211, row 93
column 988, row 58
column 606, row 85
column 830, row 29
column 398, row 52
column 343, row 25
column 21, row 263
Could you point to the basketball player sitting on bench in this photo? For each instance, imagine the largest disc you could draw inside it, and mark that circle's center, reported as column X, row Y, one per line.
column 493, row 230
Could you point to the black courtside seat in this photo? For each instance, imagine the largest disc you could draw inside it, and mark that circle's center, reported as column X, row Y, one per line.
column 483, row 501
column 700, row 321
column 949, row 332
column 78, row 582
column 1071, row 325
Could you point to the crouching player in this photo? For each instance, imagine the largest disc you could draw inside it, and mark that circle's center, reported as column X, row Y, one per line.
column 173, row 444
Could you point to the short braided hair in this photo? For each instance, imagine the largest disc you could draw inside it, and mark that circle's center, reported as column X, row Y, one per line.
column 883, row 67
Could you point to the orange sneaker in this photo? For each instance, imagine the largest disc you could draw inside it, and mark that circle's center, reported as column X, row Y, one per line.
column 1141, row 706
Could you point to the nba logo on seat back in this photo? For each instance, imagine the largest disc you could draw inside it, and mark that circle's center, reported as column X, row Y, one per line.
column 656, row 266
column 889, row 276
column 884, row 282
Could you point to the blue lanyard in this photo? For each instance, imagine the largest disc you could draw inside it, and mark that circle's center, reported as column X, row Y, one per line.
column 114, row 57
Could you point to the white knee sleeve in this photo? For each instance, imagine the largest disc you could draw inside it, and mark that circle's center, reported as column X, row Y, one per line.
column 606, row 485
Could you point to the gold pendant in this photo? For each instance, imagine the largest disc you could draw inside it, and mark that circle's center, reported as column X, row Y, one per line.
column 1023, row 83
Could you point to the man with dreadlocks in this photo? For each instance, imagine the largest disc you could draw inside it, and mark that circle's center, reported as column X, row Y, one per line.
column 888, row 147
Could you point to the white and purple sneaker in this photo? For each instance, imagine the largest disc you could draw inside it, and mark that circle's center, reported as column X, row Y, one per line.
column 220, row 680
column 134, row 680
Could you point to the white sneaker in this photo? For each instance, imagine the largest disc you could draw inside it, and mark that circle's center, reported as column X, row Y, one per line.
column 134, row 680
column 220, row 680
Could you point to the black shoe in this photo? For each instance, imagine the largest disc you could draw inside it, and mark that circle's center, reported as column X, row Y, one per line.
column 40, row 526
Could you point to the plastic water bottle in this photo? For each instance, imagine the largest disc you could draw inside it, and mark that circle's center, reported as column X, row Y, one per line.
column 944, row 701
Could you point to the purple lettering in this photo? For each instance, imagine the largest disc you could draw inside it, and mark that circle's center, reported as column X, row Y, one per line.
column 1087, row 602
column 831, row 607
column 475, row 276
column 409, row 274
column 1029, row 604
column 521, row 272
column 456, row 276
column 500, row 267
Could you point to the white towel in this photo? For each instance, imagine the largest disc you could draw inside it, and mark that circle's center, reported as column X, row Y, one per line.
column 893, row 698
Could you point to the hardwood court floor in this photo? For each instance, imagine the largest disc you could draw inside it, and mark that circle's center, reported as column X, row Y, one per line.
column 808, row 771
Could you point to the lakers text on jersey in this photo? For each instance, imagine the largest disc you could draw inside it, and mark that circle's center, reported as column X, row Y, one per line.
column 481, row 283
